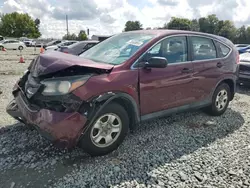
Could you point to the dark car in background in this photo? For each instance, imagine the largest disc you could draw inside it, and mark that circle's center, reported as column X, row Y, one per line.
column 94, row 99
column 52, row 43
column 78, row 48
column 244, row 69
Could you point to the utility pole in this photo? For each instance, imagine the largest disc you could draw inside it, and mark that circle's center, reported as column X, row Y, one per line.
column 67, row 26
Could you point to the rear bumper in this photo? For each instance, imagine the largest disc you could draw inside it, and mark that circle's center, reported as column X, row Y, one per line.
column 63, row 129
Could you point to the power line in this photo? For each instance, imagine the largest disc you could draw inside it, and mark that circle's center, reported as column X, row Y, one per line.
column 67, row 26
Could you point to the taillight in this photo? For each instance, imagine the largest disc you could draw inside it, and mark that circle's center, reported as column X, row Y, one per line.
column 66, row 52
column 238, row 58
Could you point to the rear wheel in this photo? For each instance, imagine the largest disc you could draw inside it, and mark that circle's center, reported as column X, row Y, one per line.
column 220, row 100
column 20, row 48
column 107, row 132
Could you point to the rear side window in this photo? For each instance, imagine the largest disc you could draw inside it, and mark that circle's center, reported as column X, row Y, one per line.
column 203, row 48
column 223, row 50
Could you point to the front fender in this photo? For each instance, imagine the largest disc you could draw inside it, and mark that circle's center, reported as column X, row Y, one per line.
column 105, row 99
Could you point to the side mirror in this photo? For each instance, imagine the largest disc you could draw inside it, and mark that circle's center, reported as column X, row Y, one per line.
column 156, row 62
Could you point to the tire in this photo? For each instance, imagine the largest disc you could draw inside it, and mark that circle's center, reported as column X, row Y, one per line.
column 20, row 48
column 1, row 48
column 222, row 93
column 89, row 141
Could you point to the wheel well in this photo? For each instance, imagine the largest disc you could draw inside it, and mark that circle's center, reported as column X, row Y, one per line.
column 231, row 85
column 128, row 106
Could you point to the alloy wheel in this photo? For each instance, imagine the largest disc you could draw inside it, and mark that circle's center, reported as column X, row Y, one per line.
column 106, row 130
column 221, row 100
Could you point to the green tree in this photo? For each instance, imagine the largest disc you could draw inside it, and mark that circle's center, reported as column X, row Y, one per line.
column 209, row 24
column 248, row 35
column 70, row 37
column 212, row 23
column 228, row 30
column 203, row 23
column 82, row 35
column 18, row 25
column 133, row 25
column 195, row 25
column 179, row 23
column 37, row 22
column 219, row 26
column 241, row 36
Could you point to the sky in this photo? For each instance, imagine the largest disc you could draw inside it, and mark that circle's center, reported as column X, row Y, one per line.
column 106, row 17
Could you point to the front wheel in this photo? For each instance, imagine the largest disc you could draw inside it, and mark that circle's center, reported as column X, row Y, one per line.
column 107, row 132
column 20, row 48
column 220, row 100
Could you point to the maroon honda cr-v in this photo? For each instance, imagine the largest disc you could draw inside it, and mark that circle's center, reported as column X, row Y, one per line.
column 94, row 100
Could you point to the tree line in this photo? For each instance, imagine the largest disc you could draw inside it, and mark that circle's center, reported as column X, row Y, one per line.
column 210, row 24
column 23, row 25
column 81, row 36
column 19, row 25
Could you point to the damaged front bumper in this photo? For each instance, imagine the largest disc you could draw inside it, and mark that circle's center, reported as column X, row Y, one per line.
column 62, row 128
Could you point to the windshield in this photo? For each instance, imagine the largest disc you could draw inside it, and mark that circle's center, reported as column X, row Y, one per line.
column 117, row 49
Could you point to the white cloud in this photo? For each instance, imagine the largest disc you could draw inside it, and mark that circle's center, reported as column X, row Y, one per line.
column 110, row 16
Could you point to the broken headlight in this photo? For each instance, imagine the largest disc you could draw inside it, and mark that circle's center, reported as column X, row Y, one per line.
column 61, row 86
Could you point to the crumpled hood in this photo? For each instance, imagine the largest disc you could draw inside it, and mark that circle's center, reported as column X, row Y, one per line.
column 53, row 61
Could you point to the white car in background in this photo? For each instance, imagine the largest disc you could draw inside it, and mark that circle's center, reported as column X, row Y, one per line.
column 29, row 42
column 12, row 44
column 64, row 43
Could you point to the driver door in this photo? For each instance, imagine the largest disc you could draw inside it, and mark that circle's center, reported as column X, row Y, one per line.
column 166, row 88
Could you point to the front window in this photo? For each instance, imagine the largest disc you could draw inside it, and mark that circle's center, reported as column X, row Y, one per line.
column 117, row 49
column 174, row 49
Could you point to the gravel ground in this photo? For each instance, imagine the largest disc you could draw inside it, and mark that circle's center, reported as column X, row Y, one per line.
column 187, row 150
column 9, row 61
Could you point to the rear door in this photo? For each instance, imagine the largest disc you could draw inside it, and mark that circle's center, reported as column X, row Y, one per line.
column 165, row 88
column 208, row 66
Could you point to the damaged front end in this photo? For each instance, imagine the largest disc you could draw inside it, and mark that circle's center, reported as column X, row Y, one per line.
column 43, row 98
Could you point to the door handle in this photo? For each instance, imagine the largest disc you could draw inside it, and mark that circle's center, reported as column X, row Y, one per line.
column 186, row 70
column 219, row 65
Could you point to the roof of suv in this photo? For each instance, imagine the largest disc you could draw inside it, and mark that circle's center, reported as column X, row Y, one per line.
column 164, row 32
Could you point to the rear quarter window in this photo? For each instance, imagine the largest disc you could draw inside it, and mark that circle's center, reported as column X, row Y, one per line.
column 223, row 50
